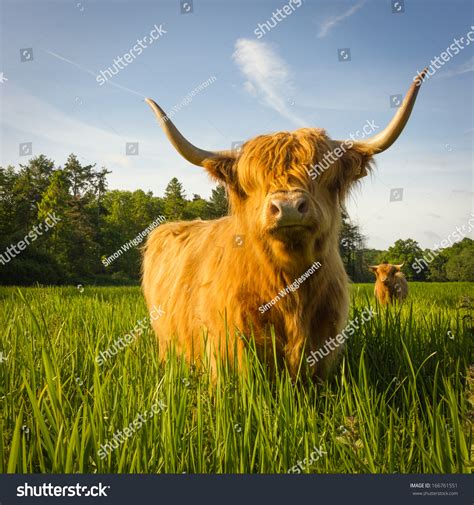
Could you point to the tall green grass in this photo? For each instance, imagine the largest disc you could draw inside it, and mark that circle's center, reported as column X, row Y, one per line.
column 400, row 402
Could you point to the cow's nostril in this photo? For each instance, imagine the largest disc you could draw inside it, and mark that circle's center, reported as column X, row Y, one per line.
column 274, row 209
column 303, row 207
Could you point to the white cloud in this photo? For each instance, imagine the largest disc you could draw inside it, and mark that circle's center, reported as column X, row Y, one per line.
column 250, row 88
column 118, row 160
column 327, row 25
column 33, row 116
column 431, row 235
column 463, row 192
column 465, row 68
column 268, row 76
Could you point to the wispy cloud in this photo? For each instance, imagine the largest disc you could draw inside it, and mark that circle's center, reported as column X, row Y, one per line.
column 268, row 76
column 465, row 68
column 431, row 235
column 463, row 192
column 34, row 116
column 327, row 25
column 56, row 131
column 91, row 72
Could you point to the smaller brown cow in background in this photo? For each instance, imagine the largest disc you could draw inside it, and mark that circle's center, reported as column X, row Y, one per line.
column 390, row 283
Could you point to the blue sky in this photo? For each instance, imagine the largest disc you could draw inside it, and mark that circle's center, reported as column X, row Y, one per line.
column 289, row 78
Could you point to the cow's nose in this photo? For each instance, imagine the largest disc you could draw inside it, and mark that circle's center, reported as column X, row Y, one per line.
column 289, row 210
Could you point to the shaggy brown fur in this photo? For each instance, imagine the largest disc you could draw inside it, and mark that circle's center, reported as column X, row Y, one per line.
column 390, row 283
column 205, row 282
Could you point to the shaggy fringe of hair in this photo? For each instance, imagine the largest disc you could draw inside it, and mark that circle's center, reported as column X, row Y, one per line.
column 280, row 159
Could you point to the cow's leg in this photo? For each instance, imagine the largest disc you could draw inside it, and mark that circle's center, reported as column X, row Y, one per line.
column 297, row 339
column 330, row 350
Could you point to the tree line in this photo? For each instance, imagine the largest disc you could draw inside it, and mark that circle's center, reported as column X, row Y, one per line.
column 91, row 222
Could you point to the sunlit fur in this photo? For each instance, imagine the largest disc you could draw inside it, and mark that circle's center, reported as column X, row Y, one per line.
column 390, row 283
column 205, row 281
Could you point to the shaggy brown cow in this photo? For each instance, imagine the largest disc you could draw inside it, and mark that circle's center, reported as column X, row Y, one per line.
column 274, row 261
column 390, row 283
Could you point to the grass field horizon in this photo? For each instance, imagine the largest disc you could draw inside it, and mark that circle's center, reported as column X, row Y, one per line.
column 401, row 401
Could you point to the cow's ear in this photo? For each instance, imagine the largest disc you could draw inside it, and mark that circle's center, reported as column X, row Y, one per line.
column 354, row 162
column 222, row 169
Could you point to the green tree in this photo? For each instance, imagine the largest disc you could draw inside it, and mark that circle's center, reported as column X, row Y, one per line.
column 460, row 263
column 369, row 257
column 30, row 183
column 56, row 200
column 405, row 251
column 127, row 214
column 175, row 200
column 351, row 245
column 197, row 208
column 81, row 178
column 218, row 205
column 8, row 203
column 437, row 265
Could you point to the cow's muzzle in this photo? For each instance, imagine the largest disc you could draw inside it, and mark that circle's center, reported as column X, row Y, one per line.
column 289, row 208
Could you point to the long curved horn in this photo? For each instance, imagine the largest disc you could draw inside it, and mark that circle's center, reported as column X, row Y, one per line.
column 389, row 135
column 190, row 152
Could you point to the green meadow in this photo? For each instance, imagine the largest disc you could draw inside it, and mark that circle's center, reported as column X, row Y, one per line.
column 401, row 401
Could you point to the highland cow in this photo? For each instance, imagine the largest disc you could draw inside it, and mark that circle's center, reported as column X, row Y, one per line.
column 390, row 283
column 211, row 277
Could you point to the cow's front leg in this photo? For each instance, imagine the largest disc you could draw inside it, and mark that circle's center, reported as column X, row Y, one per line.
column 296, row 342
column 325, row 348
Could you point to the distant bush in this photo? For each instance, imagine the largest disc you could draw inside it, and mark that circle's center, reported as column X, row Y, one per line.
column 32, row 267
